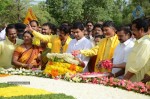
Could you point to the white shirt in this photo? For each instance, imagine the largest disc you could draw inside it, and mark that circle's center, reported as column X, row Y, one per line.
column 81, row 44
column 2, row 35
column 121, row 53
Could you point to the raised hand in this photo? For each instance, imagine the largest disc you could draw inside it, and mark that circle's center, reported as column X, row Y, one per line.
column 29, row 28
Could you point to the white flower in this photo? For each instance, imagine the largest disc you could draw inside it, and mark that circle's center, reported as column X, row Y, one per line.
column 2, row 72
column 14, row 73
column 10, row 69
column 6, row 72
column 20, row 71
column 69, row 60
column 28, row 73
column 33, row 73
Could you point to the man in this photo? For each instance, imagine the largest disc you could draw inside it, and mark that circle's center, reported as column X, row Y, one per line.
column 97, row 39
column 59, row 43
column 79, row 43
column 138, row 62
column 97, row 30
column 105, row 49
column 122, row 51
column 89, row 28
column 147, row 75
column 20, row 27
column 35, row 25
column 47, row 29
column 8, row 45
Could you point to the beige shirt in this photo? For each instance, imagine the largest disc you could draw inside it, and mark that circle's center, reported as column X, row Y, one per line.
column 6, row 51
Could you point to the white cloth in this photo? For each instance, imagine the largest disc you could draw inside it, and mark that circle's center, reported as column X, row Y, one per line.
column 81, row 44
column 2, row 34
column 121, row 53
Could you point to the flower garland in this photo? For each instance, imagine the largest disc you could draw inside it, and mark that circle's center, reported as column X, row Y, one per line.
column 56, row 69
column 22, row 71
column 124, row 84
column 65, row 57
column 94, row 78
column 59, row 64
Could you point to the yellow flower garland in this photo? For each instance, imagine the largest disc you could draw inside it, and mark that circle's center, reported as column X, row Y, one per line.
column 19, row 90
column 57, row 68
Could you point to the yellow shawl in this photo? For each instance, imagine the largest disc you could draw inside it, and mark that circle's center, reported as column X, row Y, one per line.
column 56, row 45
column 106, row 50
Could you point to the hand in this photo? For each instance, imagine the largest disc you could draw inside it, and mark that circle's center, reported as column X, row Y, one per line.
column 29, row 66
column 99, row 64
column 77, row 59
column 81, row 63
column 29, row 28
column 75, row 52
column 146, row 78
column 111, row 75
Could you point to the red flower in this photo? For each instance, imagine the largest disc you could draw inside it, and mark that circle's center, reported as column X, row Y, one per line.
column 107, row 64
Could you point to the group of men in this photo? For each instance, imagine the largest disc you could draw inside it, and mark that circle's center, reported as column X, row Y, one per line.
column 128, row 50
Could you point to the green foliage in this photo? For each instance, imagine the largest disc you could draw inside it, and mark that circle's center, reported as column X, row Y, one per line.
column 65, row 10
column 58, row 11
column 41, row 13
column 48, row 96
column 13, row 11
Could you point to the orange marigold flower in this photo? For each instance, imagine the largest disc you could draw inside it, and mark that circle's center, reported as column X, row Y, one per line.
column 72, row 67
column 3, row 75
column 54, row 73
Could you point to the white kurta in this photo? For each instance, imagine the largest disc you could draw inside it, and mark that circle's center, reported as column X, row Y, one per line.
column 81, row 44
column 2, row 35
column 121, row 53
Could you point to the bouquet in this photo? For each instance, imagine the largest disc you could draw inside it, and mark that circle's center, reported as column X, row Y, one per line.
column 106, row 66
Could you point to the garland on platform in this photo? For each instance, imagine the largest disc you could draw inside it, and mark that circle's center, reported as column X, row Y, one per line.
column 124, row 84
column 59, row 64
column 56, row 69
column 95, row 78
column 63, row 58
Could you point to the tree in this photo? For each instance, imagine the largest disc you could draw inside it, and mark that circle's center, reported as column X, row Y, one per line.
column 65, row 10
column 42, row 14
column 102, row 10
column 12, row 11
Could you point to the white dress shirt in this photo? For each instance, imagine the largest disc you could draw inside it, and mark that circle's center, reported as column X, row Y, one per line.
column 2, row 35
column 81, row 44
column 121, row 53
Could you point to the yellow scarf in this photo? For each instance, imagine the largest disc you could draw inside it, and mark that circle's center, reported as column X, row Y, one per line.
column 56, row 45
column 103, row 50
